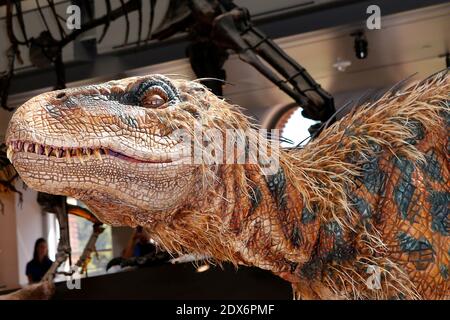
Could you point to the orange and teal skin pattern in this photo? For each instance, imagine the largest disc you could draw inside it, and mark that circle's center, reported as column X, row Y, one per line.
column 360, row 212
column 408, row 204
column 411, row 210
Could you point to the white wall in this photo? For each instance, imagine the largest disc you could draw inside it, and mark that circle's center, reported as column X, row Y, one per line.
column 9, row 277
column 29, row 227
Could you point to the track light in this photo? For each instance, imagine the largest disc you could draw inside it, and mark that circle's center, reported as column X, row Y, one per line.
column 342, row 65
column 361, row 45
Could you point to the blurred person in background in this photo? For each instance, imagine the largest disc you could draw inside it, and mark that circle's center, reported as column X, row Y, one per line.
column 40, row 264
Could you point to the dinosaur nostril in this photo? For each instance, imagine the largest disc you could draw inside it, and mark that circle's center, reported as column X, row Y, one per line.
column 60, row 95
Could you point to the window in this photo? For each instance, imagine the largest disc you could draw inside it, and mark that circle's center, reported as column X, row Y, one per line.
column 293, row 126
column 80, row 231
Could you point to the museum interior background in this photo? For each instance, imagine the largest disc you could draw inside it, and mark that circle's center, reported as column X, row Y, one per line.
column 414, row 40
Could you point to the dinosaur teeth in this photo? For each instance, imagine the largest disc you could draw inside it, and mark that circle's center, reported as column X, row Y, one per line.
column 79, row 155
column 82, row 153
column 87, row 151
column 57, row 152
column 9, row 153
column 97, row 154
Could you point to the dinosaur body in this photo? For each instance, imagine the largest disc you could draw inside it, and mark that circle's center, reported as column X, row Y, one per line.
column 367, row 200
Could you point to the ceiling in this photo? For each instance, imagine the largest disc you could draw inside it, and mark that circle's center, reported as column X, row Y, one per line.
column 268, row 7
column 34, row 24
column 407, row 43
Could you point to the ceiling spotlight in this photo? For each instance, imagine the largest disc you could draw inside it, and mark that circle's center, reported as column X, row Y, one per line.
column 361, row 45
column 342, row 65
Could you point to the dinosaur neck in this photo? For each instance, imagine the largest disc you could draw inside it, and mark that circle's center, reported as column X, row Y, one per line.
column 293, row 222
column 271, row 224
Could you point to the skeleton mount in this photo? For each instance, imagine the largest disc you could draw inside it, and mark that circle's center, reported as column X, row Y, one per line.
column 216, row 26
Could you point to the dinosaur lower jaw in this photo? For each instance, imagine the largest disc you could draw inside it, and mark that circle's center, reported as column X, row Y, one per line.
column 81, row 153
column 119, row 184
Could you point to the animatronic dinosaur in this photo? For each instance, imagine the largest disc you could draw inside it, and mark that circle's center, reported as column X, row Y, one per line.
column 366, row 200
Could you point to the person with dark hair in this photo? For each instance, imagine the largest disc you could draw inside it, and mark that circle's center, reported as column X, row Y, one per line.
column 40, row 264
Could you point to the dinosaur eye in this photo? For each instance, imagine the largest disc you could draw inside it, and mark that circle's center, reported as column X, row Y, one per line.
column 154, row 98
column 157, row 92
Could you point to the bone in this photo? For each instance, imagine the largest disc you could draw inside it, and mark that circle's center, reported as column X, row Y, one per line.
column 40, row 291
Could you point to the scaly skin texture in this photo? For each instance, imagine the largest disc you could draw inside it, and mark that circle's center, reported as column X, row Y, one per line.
column 370, row 194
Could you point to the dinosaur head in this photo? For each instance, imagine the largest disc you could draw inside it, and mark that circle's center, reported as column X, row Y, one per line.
column 119, row 146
